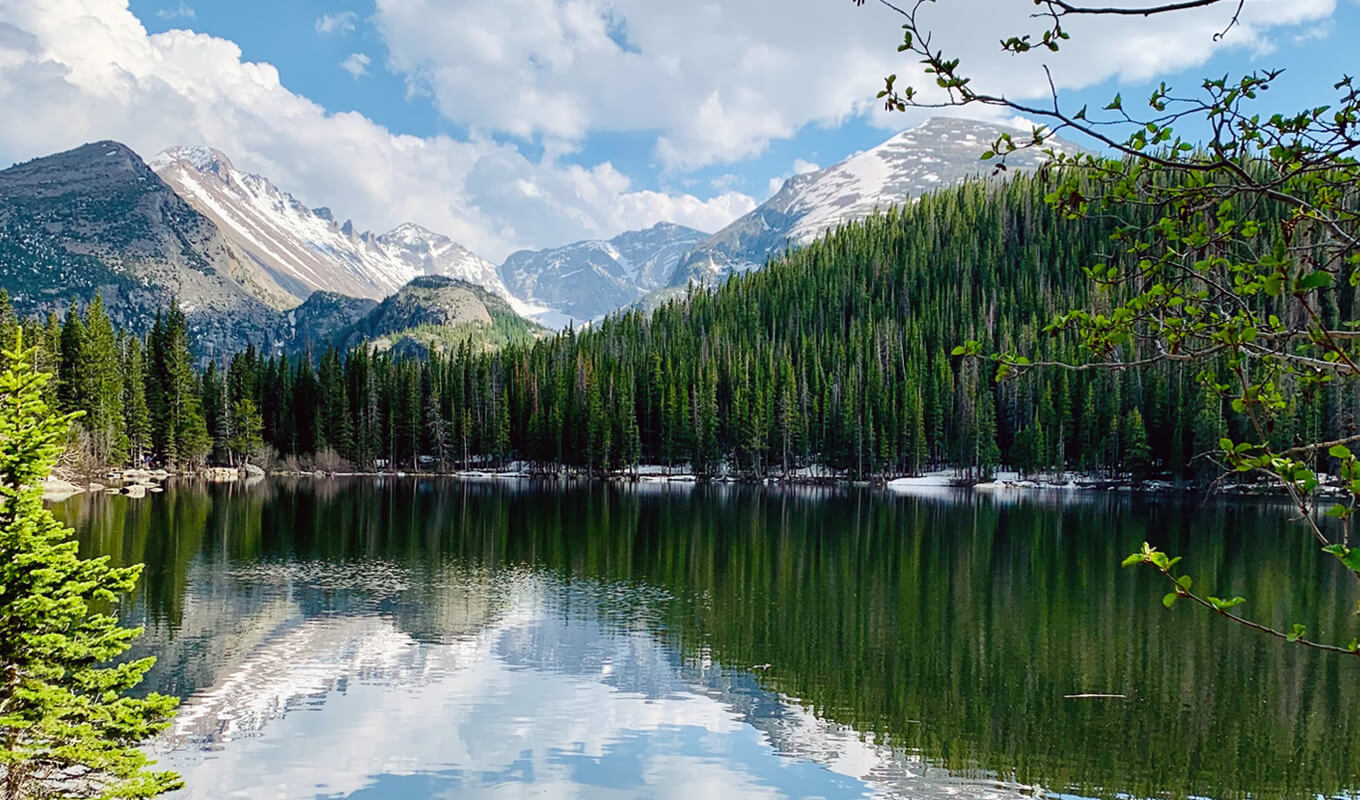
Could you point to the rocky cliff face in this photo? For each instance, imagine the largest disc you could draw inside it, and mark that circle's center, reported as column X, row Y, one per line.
column 97, row 219
column 303, row 250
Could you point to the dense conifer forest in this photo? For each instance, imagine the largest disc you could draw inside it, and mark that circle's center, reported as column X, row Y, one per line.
column 838, row 354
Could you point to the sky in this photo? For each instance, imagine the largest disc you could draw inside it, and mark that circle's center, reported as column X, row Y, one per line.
column 511, row 124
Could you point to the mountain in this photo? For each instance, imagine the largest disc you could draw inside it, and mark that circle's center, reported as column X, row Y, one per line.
column 96, row 219
column 591, row 278
column 940, row 152
column 434, row 312
column 305, row 250
column 312, row 326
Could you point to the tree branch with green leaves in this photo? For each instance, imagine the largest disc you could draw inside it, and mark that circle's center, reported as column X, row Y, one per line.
column 1236, row 251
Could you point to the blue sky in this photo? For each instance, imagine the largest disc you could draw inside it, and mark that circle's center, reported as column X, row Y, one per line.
column 535, row 122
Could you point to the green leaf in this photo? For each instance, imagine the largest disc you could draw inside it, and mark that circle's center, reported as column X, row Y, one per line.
column 1349, row 556
column 1338, row 511
column 1339, row 451
column 1169, row 599
column 1296, row 633
column 1136, row 558
column 1316, row 280
column 1223, row 605
column 1184, row 582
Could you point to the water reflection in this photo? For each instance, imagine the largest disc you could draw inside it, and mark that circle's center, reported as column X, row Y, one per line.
column 431, row 638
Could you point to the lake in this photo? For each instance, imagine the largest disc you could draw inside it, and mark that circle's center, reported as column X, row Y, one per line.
column 410, row 638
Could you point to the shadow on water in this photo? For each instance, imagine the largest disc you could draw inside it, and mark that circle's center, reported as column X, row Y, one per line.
column 944, row 629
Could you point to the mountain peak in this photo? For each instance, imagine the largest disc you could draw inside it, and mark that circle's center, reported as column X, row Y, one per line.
column 302, row 249
column 937, row 153
column 590, row 278
column 410, row 234
column 198, row 157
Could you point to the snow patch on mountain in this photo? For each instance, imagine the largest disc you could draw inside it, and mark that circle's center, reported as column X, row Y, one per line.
column 305, row 250
column 585, row 280
column 940, row 152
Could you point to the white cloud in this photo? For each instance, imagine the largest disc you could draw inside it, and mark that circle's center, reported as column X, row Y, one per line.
column 712, row 82
column 725, row 181
column 182, row 11
column 802, row 167
column 341, row 23
column 355, row 64
column 84, row 70
column 719, row 81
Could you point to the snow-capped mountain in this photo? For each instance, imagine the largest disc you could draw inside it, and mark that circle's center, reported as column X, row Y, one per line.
column 587, row 279
column 96, row 220
column 305, row 249
column 940, row 152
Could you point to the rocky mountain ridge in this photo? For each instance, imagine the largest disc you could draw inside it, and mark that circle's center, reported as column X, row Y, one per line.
column 940, row 152
column 434, row 312
column 588, row 279
column 305, row 250
column 96, row 219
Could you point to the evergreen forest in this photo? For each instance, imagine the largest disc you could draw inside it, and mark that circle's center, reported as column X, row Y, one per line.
column 839, row 354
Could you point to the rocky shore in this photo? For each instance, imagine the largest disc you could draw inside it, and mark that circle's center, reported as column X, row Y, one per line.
column 138, row 483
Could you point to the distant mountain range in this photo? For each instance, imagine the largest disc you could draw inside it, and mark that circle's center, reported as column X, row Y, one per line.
column 592, row 278
column 940, row 152
column 249, row 263
column 303, row 250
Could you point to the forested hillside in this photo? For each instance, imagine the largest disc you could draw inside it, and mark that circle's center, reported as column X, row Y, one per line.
column 839, row 354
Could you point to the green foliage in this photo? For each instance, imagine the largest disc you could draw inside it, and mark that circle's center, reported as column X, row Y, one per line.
column 838, row 354
column 180, row 434
column 68, row 727
column 1245, row 270
column 247, row 427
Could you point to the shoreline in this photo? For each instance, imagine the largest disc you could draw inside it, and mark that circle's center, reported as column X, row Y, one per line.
column 138, row 483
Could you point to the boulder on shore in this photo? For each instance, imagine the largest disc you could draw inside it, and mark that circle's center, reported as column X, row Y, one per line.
column 222, row 474
column 55, row 489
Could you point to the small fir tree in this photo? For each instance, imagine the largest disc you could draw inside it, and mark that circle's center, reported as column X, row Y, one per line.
column 67, row 725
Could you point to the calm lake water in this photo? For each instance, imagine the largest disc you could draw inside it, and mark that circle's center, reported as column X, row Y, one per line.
column 411, row 638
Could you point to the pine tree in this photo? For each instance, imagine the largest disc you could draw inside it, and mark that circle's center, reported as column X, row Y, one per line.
column 73, row 392
column 178, row 431
column 247, row 427
column 64, row 709
column 1137, row 452
column 216, row 413
column 135, row 409
column 100, row 364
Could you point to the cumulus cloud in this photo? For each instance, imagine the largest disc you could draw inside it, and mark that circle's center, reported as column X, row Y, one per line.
column 355, row 64
column 719, row 81
column 341, row 23
column 84, row 70
column 709, row 82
